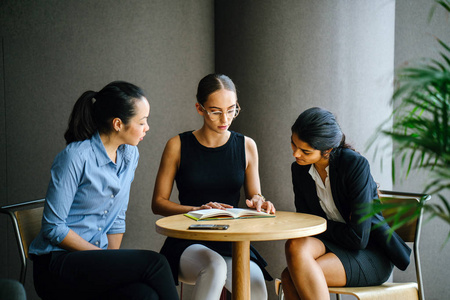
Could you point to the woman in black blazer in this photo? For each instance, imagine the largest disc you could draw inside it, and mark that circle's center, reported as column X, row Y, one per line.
column 333, row 181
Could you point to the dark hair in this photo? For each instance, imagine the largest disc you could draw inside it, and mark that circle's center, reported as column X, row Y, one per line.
column 319, row 128
column 212, row 83
column 95, row 110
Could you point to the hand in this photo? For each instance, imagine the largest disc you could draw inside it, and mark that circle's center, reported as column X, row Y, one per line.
column 216, row 205
column 258, row 202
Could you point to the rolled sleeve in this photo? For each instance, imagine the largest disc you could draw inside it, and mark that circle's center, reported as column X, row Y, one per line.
column 119, row 225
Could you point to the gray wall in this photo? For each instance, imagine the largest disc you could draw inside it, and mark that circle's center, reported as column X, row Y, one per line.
column 55, row 50
column 284, row 56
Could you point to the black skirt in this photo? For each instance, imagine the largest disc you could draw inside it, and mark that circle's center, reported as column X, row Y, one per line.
column 363, row 267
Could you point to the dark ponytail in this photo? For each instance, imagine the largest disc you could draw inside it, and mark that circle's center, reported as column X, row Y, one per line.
column 94, row 111
column 81, row 121
column 319, row 128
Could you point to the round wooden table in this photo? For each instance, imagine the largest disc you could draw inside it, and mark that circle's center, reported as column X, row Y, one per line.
column 285, row 225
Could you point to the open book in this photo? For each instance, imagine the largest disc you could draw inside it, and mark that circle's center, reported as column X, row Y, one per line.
column 229, row 213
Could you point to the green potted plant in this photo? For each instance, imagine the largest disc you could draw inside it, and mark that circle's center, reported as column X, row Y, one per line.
column 421, row 131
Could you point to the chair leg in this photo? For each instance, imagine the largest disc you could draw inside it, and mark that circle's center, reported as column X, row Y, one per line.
column 280, row 292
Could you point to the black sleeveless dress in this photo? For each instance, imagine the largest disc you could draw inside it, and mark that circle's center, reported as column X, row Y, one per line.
column 205, row 175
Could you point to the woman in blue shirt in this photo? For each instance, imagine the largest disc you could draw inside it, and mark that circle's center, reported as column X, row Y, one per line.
column 86, row 202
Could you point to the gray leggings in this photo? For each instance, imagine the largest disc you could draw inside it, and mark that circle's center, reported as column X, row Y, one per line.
column 210, row 272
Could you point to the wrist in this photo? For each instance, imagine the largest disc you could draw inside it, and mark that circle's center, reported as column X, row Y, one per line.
column 262, row 197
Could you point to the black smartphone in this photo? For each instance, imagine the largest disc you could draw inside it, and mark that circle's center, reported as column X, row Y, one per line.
column 208, row 227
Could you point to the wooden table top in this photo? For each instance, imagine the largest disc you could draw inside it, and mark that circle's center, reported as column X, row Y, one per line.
column 285, row 225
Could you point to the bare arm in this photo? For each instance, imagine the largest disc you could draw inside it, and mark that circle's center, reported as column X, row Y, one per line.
column 168, row 167
column 114, row 240
column 252, row 183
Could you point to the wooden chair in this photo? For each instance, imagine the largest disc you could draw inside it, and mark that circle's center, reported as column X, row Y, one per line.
column 409, row 232
column 26, row 220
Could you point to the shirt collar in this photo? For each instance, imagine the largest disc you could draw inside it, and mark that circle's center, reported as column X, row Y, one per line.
column 315, row 175
column 99, row 150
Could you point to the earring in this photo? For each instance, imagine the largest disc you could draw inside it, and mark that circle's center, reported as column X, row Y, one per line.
column 118, row 130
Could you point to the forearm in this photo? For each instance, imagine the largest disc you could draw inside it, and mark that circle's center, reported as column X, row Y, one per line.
column 114, row 240
column 166, row 208
column 169, row 208
column 74, row 242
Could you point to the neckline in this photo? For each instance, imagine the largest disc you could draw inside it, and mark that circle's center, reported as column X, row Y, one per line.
column 212, row 148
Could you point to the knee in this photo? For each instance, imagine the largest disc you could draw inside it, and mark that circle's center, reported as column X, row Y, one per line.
column 300, row 248
column 154, row 257
column 216, row 268
column 297, row 246
column 294, row 246
column 154, row 261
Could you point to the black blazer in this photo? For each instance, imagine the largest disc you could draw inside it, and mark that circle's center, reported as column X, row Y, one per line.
column 352, row 186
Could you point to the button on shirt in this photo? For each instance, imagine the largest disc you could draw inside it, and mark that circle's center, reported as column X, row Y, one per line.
column 87, row 193
column 325, row 196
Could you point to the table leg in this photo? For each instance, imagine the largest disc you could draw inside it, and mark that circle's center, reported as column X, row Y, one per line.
column 241, row 270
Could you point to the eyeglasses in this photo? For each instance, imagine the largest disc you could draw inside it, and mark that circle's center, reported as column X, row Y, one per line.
column 216, row 115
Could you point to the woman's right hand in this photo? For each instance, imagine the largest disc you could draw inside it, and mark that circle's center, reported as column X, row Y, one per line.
column 215, row 205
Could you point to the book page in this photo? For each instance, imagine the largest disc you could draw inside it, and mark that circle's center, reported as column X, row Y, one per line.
column 229, row 213
column 241, row 212
column 208, row 213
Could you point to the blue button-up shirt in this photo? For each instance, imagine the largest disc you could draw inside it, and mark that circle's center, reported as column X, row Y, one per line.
column 88, row 194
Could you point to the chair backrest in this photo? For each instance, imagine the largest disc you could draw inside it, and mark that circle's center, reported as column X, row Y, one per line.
column 26, row 219
column 410, row 231
column 29, row 222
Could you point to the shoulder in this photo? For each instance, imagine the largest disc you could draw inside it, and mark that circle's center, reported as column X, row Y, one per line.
column 350, row 161
column 349, row 156
column 174, row 142
column 249, row 142
column 173, row 148
column 74, row 156
column 250, row 146
column 76, row 149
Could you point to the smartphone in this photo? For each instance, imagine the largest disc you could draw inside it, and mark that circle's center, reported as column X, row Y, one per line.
column 208, row 227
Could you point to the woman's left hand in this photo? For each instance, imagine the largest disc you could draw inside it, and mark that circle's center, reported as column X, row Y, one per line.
column 259, row 202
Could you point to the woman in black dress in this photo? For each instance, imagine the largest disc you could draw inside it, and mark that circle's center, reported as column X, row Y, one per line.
column 210, row 166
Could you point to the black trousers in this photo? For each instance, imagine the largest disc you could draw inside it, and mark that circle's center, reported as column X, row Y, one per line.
column 104, row 274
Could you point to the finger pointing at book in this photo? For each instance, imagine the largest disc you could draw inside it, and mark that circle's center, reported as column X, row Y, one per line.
column 259, row 202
